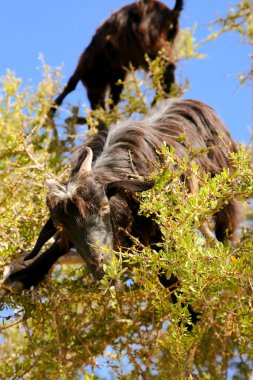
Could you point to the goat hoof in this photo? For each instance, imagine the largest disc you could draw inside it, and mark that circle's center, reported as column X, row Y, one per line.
column 9, row 283
column 3, row 292
column 12, row 287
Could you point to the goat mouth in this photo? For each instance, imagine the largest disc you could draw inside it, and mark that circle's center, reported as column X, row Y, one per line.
column 96, row 269
column 99, row 273
column 95, row 258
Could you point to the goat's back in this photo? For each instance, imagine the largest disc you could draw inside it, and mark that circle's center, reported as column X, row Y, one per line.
column 131, row 32
column 191, row 127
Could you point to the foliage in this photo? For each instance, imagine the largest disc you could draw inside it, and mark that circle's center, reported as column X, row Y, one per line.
column 72, row 327
column 238, row 19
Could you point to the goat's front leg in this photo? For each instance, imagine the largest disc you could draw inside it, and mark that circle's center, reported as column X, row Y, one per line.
column 169, row 78
column 46, row 233
column 116, row 86
column 71, row 85
column 32, row 273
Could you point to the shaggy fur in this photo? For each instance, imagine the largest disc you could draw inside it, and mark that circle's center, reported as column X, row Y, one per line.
column 129, row 150
column 139, row 141
column 165, row 123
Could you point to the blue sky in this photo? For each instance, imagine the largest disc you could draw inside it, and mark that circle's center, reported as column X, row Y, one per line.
column 61, row 29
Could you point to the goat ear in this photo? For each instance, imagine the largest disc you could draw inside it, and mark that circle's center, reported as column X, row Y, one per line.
column 131, row 185
column 56, row 193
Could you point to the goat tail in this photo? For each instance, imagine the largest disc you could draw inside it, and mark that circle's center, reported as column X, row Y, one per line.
column 178, row 6
column 227, row 221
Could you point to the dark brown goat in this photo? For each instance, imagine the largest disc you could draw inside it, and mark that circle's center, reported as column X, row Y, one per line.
column 144, row 27
column 98, row 203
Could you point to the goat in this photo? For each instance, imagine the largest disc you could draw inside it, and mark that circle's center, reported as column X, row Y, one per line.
column 98, row 203
column 143, row 27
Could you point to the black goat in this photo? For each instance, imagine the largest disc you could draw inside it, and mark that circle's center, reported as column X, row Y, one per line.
column 97, row 204
column 144, row 27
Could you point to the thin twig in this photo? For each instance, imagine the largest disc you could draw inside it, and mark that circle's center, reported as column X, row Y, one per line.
column 11, row 325
column 189, row 362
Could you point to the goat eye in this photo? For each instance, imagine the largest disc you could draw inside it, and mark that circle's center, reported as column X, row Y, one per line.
column 59, row 227
column 105, row 207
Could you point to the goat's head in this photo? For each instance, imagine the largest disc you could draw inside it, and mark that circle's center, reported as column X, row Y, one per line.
column 81, row 208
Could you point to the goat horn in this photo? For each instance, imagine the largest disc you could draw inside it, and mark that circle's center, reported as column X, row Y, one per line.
column 86, row 165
